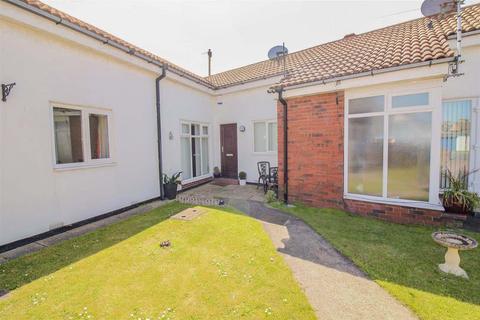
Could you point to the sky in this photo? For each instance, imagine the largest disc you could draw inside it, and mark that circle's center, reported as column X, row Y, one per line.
column 238, row 32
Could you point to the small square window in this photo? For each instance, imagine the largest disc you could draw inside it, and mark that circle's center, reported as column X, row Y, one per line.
column 410, row 100
column 185, row 128
column 366, row 105
column 205, row 130
column 195, row 129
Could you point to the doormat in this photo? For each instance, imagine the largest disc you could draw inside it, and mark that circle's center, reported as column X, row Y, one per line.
column 189, row 214
column 222, row 182
column 200, row 201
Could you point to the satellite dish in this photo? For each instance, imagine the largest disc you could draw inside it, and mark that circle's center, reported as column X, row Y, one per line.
column 277, row 52
column 433, row 7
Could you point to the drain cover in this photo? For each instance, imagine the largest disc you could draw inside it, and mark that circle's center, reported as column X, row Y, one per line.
column 189, row 214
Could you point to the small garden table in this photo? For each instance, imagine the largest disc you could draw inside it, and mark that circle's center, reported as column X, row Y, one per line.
column 453, row 242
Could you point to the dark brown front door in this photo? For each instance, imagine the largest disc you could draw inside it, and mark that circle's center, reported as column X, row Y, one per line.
column 228, row 149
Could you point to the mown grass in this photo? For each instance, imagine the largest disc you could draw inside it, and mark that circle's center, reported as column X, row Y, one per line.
column 220, row 265
column 402, row 259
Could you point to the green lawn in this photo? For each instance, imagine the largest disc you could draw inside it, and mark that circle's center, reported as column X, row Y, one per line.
column 403, row 260
column 221, row 265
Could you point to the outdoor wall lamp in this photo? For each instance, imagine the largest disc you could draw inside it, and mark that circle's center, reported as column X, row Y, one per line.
column 6, row 90
column 170, row 135
column 242, row 128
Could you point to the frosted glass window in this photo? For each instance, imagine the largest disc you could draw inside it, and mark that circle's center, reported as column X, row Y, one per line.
column 272, row 136
column 205, row 165
column 186, row 158
column 455, row 139
column 365, row 155
column 260, row 136
column 410, row 100
column 409, row 142
column 365, row 105
column 99, row 147
column 68, row 135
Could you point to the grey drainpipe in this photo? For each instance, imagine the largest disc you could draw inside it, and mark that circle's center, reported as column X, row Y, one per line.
column 285, row 143
column 159, row 129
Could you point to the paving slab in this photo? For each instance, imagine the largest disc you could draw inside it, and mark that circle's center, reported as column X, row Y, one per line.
column 334, row 286
column 247, row 192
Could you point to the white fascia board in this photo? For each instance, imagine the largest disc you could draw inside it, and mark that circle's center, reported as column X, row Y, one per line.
column 426, row 72
column 189, row 83
column 268, row 82
column 468, row 40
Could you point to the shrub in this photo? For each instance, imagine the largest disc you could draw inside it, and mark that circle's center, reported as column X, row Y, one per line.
column 270, row 196
column 174, row 179
column 456, row 197
column 242, row 175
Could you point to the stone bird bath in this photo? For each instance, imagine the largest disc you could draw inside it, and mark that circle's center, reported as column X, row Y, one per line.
column 453, row 242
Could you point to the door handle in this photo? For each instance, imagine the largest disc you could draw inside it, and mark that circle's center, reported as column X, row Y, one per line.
column 229, row 154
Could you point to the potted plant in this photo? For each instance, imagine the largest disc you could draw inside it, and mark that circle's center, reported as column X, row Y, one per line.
column 216, row 172
column 456, row 198
column 242, row 178
column 170, row 185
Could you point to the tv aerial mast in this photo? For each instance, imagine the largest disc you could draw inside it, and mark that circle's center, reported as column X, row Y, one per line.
column 441, row 8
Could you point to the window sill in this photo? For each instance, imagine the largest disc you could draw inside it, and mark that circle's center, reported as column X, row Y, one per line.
column 396, row 202
column 78, row 166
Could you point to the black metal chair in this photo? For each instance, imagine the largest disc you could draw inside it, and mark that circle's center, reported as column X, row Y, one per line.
column 263, row 172
column 272, row 181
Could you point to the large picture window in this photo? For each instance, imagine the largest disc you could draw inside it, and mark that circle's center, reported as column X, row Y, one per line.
column 81, row 135
column 194, row 150
column 389, row 146
column 265, row 136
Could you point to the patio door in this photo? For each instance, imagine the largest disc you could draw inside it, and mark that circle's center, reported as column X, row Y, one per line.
column 228, row 149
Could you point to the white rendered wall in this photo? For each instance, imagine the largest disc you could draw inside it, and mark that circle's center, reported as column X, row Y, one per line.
column 243, row 108
column 180, row 103
column 35, row 197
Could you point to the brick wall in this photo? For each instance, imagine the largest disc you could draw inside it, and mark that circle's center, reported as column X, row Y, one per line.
column 315, row 162
column 315, row 149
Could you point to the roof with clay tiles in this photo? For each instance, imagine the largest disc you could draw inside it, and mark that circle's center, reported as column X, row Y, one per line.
column 397, row 45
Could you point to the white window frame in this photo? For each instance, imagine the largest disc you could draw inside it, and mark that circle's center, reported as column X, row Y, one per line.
column 267, row 122
column 87, row 162
column 434, row 106
column 473, row 182
column 201, row 135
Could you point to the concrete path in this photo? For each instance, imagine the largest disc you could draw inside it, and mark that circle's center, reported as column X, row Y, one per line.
column 334, row 286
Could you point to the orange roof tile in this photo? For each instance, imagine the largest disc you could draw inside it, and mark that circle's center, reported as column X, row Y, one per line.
column 401, row 44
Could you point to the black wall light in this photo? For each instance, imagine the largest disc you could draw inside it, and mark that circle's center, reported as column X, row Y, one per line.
column 6, row 90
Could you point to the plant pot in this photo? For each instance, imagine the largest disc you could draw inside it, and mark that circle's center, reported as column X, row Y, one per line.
column 170, row 191
column 456, row 208
column 242, row 182
column 217, row 175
